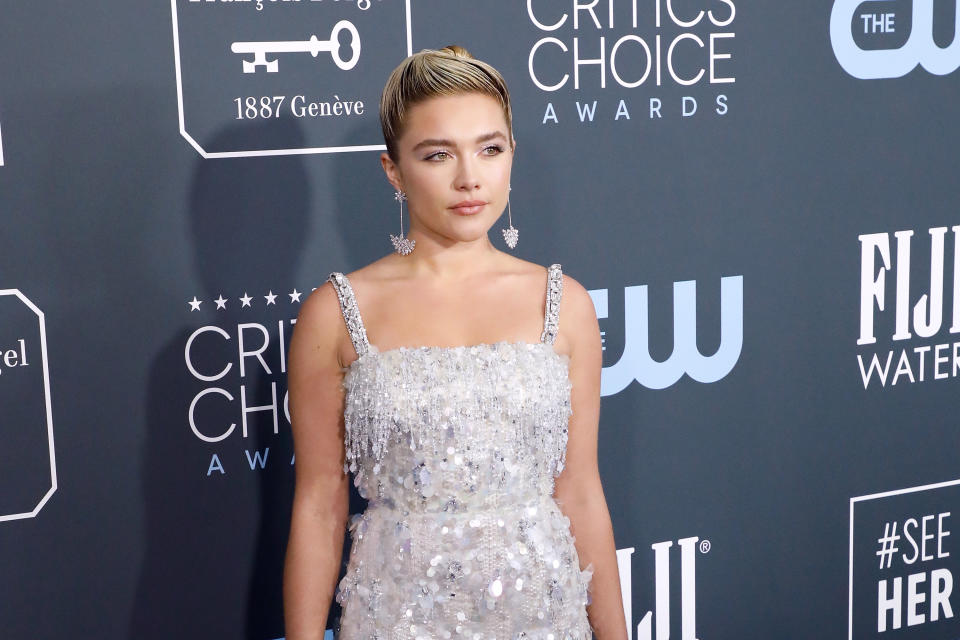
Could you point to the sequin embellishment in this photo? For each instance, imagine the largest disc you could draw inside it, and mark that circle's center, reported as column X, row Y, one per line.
column 552, row 315
column 456, row 449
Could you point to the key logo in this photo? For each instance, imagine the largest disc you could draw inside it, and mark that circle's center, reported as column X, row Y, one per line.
column 881, row 51
column 285, row 78
column 311, row 46
column 28, row 470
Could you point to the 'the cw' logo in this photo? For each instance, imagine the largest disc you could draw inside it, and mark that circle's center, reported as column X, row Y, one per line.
column 920, row 48
column 636, row 363
column 688, row 591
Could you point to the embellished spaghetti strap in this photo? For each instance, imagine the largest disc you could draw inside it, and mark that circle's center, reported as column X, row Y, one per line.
column 551, row 316
column 350, row 311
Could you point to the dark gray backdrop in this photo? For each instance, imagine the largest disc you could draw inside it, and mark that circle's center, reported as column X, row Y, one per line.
column 114, row 221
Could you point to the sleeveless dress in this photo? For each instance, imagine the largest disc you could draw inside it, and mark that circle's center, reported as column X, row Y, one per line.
column 456, row 449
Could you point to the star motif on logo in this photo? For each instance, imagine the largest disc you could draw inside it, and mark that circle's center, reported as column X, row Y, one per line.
column 295, row 296
column 271, row 297
column 221, row 302
column 245, row 300
column 194, row 304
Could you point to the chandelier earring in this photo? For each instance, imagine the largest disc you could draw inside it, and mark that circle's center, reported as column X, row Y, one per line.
column 510, row 234
column 401, row 245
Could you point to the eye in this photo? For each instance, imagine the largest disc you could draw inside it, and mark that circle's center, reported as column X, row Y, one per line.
column 439, row 156
column 493, row 150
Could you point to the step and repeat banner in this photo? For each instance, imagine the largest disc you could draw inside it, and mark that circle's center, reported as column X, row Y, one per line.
column 761, row 197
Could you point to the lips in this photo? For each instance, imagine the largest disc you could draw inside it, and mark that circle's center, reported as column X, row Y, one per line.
column 468, row 207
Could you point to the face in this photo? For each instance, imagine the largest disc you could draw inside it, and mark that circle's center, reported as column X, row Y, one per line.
column 453, row 162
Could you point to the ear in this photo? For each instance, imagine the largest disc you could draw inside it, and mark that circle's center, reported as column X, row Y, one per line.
column 392, row 170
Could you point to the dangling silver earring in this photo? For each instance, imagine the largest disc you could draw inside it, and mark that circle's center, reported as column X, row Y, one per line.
column 401, row 245
column 510, row 234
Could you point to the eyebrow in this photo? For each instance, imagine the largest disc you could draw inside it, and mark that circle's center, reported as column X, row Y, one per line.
column 436, row 142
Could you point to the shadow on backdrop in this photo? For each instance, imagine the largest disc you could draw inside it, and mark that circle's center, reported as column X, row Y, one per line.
column 215, row 541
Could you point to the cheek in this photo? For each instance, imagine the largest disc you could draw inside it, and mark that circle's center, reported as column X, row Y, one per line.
column 501, row 173
column 427, row 184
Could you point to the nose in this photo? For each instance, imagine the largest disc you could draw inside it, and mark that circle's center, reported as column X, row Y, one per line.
column 468, row 175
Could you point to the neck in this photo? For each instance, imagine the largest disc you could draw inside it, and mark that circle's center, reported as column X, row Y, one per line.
column 449, row 259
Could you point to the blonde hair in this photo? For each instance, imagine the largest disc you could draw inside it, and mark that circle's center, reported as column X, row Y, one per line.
column 430, row 73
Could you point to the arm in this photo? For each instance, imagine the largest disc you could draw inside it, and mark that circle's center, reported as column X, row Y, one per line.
column 578, row 490
column 321, row 496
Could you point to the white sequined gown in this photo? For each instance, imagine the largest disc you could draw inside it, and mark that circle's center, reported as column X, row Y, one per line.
column 456, row 449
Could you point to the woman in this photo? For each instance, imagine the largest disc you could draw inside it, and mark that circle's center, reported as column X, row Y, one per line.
column 422, row 374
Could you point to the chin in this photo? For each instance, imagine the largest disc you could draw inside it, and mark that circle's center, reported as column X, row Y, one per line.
column 467, row 230
column 471, row 237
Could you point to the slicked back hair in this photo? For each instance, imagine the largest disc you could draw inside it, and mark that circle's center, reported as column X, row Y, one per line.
column 431, row 73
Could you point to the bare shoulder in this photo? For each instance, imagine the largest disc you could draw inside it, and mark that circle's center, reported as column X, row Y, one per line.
column 576, row 305
column 534, row 272
column 324, row 299
column 574, row 300
column 520, row 265
column 578, row 318
column 578, row 328
column 384, row 268
column 320, row 310
column 320, row 329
